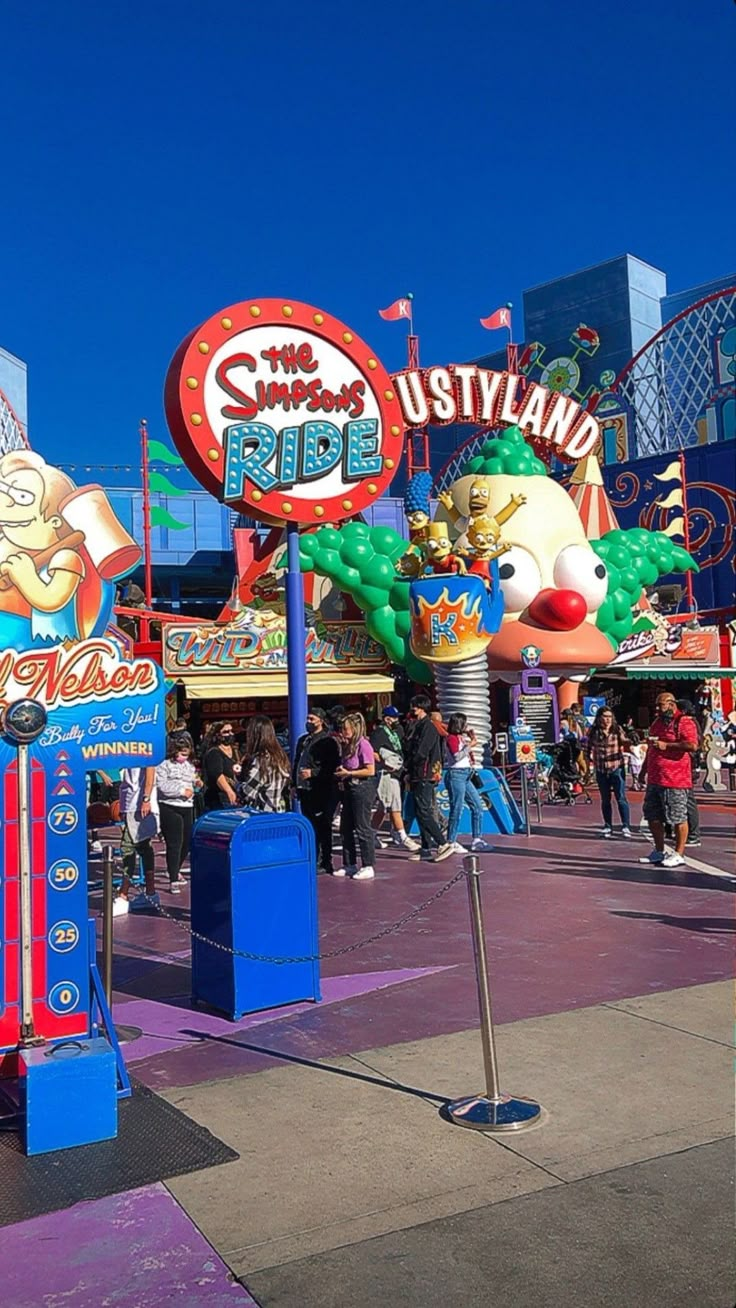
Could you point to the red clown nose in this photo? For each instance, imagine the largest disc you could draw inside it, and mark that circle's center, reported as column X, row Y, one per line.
column 558, row 610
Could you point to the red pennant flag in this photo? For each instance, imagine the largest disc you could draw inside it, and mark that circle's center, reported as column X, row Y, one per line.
column 501, row 318
column 399, row 309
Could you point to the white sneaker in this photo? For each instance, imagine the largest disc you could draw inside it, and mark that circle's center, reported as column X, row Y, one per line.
column 481, row 846
column 673, row 860
column 657, row 856
column 413, row 846
column 626, row 833
column 444, row 851
column 606, row 832
column 343, row 871
column 457, row 848
column 120, row 906
column 364, row 873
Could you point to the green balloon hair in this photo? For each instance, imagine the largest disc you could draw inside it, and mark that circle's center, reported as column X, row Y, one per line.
column 634, row 559
column 507, row 453
column 360, row 560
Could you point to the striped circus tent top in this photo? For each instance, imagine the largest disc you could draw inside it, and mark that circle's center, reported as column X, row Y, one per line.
column 588, row 494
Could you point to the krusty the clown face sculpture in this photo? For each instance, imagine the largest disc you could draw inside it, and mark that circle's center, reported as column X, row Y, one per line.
column 553, row 582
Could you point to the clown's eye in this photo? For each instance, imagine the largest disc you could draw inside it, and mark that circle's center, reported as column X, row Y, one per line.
column 520, row 578
column 578, row 568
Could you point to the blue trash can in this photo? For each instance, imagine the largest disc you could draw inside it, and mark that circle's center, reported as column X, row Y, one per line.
column 254, row 888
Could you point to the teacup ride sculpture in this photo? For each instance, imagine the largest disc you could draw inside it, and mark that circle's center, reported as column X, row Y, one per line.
column 453, row 621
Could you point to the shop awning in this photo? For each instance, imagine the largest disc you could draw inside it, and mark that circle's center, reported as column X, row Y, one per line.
column 275, row 685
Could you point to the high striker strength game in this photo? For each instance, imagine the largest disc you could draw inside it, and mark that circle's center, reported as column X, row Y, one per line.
column 72, row 699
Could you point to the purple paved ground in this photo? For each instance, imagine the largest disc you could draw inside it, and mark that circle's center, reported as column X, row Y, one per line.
column 571, row 921
column 133, row 1250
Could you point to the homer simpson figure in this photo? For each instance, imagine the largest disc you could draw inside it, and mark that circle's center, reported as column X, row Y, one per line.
column 478, row 500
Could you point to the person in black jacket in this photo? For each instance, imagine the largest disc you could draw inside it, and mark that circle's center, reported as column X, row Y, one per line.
column 423, row 757
column 316, row 757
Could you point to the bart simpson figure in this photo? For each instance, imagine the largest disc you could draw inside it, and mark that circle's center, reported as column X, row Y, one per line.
column 40, row 566
column 438, row 553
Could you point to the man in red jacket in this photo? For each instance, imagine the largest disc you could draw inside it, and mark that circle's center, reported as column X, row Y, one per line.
column 673, row 739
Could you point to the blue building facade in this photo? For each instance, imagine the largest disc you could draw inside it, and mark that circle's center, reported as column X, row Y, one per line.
column 192, row 567
column 14, row 405
column 581, row 331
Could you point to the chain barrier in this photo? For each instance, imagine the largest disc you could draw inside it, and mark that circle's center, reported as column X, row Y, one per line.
column 328, row 953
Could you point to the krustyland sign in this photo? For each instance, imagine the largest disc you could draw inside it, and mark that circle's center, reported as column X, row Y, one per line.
column 466, row 393
column 282, row 412
column 257, row 644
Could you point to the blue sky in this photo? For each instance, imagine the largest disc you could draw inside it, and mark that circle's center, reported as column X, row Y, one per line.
column 161, row 161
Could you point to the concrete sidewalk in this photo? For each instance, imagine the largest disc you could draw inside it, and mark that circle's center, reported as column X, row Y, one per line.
column 624, row 1239
column 335, row 1154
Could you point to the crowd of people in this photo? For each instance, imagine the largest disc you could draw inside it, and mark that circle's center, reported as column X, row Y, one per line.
column 365, row 783
column 354, row 785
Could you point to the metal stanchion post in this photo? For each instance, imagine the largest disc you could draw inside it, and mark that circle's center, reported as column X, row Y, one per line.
column 492, row 1111
column 538, row 796
column 107, row 897
column 124, row 1033
column 525, row 799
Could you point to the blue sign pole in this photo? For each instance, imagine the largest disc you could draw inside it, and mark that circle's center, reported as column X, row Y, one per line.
column 296, row 664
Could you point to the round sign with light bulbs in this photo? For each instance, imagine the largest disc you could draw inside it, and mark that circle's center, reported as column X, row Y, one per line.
column 283, row 413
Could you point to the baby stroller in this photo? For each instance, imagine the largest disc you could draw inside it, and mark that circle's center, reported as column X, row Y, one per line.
column 565, row 777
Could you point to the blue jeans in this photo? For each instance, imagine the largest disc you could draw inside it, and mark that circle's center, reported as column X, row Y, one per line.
column 461, row 791
column 613, row 783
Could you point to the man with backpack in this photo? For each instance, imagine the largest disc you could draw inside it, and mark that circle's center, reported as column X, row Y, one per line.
column 388, row 745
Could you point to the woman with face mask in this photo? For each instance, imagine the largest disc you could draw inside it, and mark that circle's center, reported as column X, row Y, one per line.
column 221, row 768
column 176, row 782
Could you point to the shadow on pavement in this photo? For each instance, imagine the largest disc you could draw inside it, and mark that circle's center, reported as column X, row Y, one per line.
column 386, row 1084
column 638, row 874
column 701, row 924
